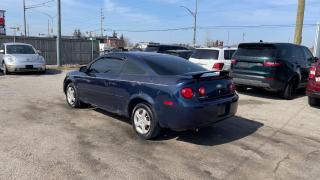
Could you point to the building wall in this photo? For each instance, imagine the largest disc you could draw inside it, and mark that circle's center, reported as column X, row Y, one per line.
column 74, row 51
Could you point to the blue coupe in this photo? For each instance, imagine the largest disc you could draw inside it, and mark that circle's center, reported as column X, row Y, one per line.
column 154, row 90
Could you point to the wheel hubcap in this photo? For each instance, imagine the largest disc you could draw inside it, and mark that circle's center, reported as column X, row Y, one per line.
column 142, row 121
column 71, row 95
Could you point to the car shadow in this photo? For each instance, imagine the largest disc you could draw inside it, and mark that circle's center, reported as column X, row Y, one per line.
column 48, row 72
column 221, row 133
column 261, row 93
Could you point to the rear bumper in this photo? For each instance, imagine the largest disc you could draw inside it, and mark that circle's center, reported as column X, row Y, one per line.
column 184, row 117
column 23, row 68
column 313, row 89
column 258, row 81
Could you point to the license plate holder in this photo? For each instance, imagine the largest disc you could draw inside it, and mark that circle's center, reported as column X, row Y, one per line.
column 29, row 66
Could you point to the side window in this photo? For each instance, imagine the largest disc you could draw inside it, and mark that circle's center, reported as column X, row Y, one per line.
column 308, row 54
column 107, row 65
column 132, row 68
column 298, row 54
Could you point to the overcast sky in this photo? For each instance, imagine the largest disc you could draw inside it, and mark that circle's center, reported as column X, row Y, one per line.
column 167, row 14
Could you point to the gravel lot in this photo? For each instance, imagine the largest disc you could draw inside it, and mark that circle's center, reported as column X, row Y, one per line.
column 42, row 138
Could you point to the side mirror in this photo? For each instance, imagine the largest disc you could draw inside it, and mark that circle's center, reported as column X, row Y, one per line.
column 316, row 59
column 38, row 51
column 1, row 51
column 83, row 69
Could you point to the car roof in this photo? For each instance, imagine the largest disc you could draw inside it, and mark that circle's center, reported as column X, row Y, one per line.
column 6, row 44
column 219, row 48
column 138, row 54
column 269, row 43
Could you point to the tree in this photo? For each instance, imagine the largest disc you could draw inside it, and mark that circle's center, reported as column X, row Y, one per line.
column 115, row 35
column 77, row 33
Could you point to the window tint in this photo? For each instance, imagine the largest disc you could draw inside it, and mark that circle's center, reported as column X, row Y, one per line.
column 131, row 67
column 228, row 54
column 152, row 49
column 20, row 49
column 205, row 54
column 170, row 65
column 308, row 54
column 256, row 50
column 107, row 65
column 298, row 54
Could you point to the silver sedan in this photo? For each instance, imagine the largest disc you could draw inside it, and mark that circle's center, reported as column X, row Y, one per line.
column 20, row 57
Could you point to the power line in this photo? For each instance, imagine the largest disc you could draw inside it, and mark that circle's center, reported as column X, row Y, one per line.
column 214, row 27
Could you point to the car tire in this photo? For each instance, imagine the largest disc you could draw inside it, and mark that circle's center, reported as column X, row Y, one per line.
column 72, row 96
column 144, row 121
column 313, row 101
column 4, row 69
column 241, row 88
column 289, row 91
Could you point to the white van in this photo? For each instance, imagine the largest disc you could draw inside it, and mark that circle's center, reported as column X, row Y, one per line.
column 217, row 59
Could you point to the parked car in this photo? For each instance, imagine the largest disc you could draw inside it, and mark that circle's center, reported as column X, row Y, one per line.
column 20, row 57
column 185, row 54
column 218, row 59
column 162, row 48
column 279, row 67
column 313, row 88
column 154, row 90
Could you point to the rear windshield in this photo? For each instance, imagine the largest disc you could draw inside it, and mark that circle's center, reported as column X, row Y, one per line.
column 205, row 54
column 170, row 65
column 163, row 48
column 152, row 49
column 228, row 54
column 257, row 50
column 20, row 49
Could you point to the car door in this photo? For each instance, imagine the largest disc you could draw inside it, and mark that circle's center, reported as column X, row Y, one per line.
column 95, row 87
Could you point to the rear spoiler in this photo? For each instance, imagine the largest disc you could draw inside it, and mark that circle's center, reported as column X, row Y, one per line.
column 204, row 74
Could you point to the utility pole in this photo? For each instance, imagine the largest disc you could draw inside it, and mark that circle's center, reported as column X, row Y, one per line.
column 24, row 18
column 299, row 22
column 194, row 14
column 59, row 32
column 101, row 22
column 317, row 42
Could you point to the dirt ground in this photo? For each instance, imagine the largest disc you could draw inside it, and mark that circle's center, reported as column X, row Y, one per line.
column 42, row 138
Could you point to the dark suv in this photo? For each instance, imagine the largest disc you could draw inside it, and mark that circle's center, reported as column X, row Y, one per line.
column 279, row 67
column 161, row 48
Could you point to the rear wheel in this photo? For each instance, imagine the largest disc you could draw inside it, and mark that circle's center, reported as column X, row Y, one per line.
column 144, row 122
column 313, row 101
column 4, row 69
column 289, row 91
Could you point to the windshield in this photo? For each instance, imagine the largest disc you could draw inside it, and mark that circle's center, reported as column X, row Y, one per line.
column 205, row 54
column 20, row 49
column 256, row 50
column 170, row 65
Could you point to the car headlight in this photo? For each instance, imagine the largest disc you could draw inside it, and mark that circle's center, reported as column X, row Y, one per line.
column 10, row 59
column 41, row 59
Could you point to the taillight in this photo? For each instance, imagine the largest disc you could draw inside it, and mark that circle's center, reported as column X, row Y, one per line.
column 312, row 74
column 233, row 61
column 187, row 93
column 271, row 64
column 218, row 66
column 202, row 91
column 232, row 87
